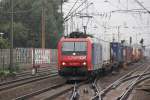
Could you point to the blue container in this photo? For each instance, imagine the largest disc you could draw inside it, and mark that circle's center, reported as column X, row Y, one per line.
column 116, row 52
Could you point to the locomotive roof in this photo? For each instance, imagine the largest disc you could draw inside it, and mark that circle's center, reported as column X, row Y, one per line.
column 75, row 39
column 78, row 34
column 92, row 40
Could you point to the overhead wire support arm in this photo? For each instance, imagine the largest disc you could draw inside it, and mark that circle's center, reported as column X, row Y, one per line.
column 126, row 11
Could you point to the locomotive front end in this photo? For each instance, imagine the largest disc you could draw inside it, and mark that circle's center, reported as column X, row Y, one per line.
column 72, row 54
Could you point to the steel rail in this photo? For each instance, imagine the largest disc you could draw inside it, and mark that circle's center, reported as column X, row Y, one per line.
column 16, row 83
column 66, row 90
column 42, row 69
column 118, row 81
column 129, row 78
column 126, row 79
column 125, row 94
column 96, row 90
column 104, row 91
column 30, row 77
column 27, row 96
column 29, row 73
column 75, row 93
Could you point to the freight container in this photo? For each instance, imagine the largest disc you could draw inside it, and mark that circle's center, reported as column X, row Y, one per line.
column 128, row 54
column 105, row 52
column 134, row 54
column 116, row 52
column 137, row 53
column 97, row 56
column 100, row 54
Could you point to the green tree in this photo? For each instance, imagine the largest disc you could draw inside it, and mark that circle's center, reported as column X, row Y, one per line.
column 27, row 21
column 4, row 43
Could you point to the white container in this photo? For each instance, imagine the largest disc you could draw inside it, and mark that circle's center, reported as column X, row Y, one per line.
column 105, row 52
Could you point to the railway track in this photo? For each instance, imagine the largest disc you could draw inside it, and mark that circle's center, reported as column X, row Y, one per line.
column 95, row 89
column 21, row 88
column 49, row 94
column 30, row 95
column 51, row 91
column 38, row 73
column 26, row 75
column 130, row 87
column 18, row 82
column 43, row 69
column 124, row 85
column 75, row 93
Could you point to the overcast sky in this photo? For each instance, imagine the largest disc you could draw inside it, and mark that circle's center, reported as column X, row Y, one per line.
column 104, row 23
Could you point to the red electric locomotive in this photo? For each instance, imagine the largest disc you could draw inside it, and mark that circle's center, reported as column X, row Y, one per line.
column 79, row 56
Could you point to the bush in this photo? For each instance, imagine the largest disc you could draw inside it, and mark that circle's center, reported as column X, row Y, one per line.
column 17, row 68
column 4, row 73
column 4, row 43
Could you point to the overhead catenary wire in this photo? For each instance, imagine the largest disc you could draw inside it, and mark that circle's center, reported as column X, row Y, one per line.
column 101, row 40
column 75, row 10
column 142, row 6
column 137, row 11
column 74, row 13
column 72, row 8
column 111, row 4
column 131, row 11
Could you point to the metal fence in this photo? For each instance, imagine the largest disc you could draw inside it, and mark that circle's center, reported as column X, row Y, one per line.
column 24, row 57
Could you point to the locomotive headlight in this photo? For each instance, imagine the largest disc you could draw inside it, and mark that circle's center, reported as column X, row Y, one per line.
column 84, row 63
column 63, row 63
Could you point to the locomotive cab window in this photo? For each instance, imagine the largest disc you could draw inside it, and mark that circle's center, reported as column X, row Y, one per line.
column 74, row 48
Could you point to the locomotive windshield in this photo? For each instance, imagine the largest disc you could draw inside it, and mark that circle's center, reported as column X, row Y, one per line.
column 74, row 48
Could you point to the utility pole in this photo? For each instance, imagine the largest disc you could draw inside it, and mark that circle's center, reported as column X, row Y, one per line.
column 33, row 45
column 11, row 36
column 118, row 33
column 136, row 37
column 127, row 4
column 130, row 40
column 34, row 68
column 71, row 26
column 113, row 38
column 43, row 28
column 61, row 7
column 85, row 28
